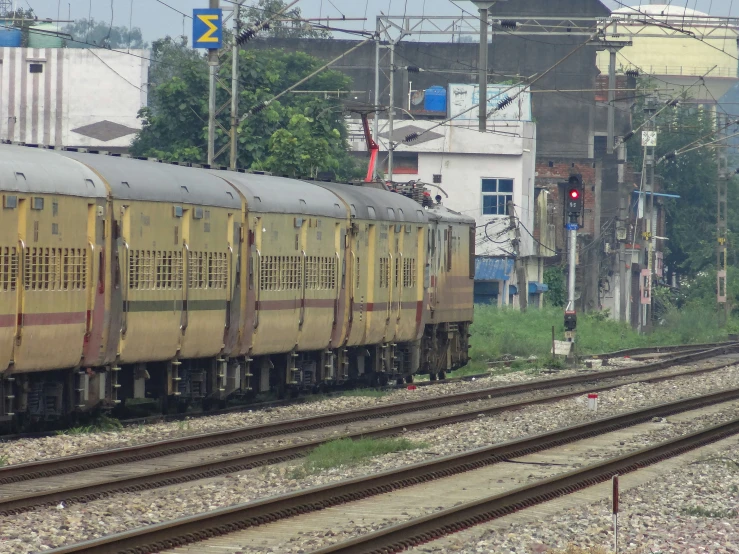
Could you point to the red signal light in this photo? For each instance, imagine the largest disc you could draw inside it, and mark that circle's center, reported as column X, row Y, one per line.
column 574, row 194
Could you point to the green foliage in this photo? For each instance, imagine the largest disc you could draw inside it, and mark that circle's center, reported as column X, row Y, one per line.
column 554, row 278
column 103, row 34
column 365, row 393
column 297, row 135
column 346, row 452
column 497, row 332
column 265, row 9
column 102, row 424
column 718, row 513
column 3, row 461
column 691, row 220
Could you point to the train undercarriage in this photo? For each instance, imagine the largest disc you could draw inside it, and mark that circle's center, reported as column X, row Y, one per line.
column 30, row 399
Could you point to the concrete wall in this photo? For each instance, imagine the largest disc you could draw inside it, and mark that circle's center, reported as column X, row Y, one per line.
column 81, row 97
column 565, row 121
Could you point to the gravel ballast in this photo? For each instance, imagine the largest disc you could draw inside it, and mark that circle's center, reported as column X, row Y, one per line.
column 50, row 527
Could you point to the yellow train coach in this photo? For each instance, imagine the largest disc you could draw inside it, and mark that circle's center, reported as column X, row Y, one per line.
column 125, row 280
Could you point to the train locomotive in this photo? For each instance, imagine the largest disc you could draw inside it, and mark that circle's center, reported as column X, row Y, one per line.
column 125, row 279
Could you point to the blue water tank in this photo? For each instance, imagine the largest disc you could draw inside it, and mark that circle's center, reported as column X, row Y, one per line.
column 9, row 37
column 435, row 100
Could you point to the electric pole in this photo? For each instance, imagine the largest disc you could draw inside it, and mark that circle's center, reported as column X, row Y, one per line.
column 213, row 70
column 391, row 114
column 483, row 65
column 235, row 85
column 649, row 141
column 721, row 224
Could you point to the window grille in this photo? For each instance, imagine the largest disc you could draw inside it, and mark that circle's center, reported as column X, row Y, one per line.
column 409, row 273
column 397, row 272
column 52, row 269
column 384, row 273
column 8, row 268
column 357, row 272
column 217, row 270
column 280, row 273
column 155, row 270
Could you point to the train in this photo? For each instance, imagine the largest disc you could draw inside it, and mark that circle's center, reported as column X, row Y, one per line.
column 126, row 280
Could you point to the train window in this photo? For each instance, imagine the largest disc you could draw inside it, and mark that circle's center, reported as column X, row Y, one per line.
column 371, row 212
column 10, row 201
column 8, row 268
column 56, row 269
column 384, row 273
column 38, row 203
column 391, row 213
column 54, row 208
column 401, row 215
column 357, row 271
column 353, row 210
column 177, row 210
column 217, row 270
column 409, row 273
column 183, row 187
column 397, row 273
column 154, row 270
column 197, row 213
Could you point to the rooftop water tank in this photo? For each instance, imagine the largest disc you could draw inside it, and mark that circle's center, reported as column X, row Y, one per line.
column 435, row 100
column 9, row 36
column 42, row 36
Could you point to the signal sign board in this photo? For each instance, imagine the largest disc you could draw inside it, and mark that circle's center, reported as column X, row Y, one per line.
column 207, row 28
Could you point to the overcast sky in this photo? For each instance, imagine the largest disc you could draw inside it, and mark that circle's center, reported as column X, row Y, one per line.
column 157, row 20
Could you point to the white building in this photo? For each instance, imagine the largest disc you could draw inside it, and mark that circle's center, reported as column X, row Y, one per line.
column 72, row 97
column 489, row 176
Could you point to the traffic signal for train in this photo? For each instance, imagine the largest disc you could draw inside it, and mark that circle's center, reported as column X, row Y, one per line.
column 574, row 194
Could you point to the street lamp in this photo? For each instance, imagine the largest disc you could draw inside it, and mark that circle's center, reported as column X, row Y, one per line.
column 483, row 6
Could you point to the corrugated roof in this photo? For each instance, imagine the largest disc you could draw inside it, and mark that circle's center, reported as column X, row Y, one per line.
column 493, row 269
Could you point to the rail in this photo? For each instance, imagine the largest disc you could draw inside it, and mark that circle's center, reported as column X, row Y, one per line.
column 222, row 521
column 86, row 492
column 58, row 466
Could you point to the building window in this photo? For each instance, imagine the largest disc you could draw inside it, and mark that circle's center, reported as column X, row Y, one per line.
column 36, row 68
column 497, row 194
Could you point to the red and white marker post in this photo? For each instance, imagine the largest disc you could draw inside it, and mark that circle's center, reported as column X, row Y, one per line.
column 593, row 402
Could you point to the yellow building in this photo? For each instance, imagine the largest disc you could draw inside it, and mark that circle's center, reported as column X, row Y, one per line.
column 677, row 45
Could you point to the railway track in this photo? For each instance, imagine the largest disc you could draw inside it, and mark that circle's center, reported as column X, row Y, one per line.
column 665, row 352
column 98, row 484
column 192, row 529
column 71, row 464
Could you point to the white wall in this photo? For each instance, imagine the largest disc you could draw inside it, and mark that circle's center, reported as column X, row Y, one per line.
column 76, row 88
column 463, row 157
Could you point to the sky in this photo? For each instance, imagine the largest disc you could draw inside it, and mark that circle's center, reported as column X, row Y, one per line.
column 157, row 20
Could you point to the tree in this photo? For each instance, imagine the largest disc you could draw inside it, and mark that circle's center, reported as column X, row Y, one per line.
column 691, row 219
column 297, row 135
column 280, row 28
column 103, row 34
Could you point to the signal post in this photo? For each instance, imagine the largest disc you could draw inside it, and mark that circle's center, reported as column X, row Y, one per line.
column 574, row 198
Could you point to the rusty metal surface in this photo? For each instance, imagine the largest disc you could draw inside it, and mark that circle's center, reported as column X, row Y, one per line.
column 57, row 466
column 225, row 520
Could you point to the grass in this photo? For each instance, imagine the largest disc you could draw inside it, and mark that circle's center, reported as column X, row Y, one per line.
column 3, row 461
column 369, row 393
column 699, row 511
column 346, row 452
column 102, row 424
column 498, row 332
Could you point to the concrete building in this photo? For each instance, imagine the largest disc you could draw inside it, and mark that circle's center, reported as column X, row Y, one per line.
column 677, row 60
column 72, row 97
